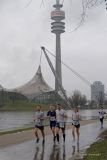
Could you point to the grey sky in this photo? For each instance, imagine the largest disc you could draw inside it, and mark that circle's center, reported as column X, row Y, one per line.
column 24, row 29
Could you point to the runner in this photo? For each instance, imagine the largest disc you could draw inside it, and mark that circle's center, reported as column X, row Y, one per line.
column 60, row 124
column 75, row 123
column 52, row 115
column 102, row 113
column 39, row 119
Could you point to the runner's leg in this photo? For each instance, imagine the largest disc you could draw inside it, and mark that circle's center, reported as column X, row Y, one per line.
column 52, row 126
column 36, row 134
column 63, row 132
column 57, row 133
column 78, row 133
column 53, row 131
column 43, row 134
column 73, row 132
column 101, row 120
column 102, row 123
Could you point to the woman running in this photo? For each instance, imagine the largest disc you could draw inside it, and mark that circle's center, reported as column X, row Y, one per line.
column 39, row 119
column 52, row 116
column 75, row 123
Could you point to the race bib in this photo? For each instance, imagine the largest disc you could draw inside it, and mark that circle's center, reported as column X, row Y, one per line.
column 75, row 122
column 62, row 124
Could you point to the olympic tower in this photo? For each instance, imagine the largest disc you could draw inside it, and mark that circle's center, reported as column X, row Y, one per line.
column 58, row 27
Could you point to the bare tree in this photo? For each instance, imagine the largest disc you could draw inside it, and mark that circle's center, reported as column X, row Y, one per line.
column 77, row 99
column 86, row 5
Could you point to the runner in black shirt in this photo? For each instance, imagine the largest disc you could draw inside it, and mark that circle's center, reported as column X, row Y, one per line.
column 52, row 116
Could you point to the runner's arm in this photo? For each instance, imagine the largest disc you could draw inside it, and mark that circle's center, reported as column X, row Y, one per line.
column 48, row 114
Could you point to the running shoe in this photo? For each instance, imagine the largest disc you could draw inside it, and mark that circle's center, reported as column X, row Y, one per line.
column 37, row 140
column 54, row 138
column 43, row 141
column 64, row 137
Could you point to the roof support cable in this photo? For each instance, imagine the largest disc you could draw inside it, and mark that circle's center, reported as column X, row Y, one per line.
column 72, row 70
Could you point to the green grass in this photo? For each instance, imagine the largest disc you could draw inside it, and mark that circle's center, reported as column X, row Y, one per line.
column 21, row 106
column 97, row 151
column 15, row 131
column 46, row 123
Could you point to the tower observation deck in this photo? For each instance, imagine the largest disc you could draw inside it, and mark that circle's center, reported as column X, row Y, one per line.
column 58, row 27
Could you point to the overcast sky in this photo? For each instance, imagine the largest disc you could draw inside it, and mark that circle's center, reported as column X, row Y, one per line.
column 24, row 29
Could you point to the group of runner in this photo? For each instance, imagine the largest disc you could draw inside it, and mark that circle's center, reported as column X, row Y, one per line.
column 57, row 117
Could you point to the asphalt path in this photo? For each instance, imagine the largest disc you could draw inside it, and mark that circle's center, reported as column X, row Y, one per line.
column 30, row 150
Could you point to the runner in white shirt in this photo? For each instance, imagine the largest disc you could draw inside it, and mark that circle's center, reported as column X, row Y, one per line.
column 102, row 114
column 39, row 119
column 75, row 123
column 60, row 121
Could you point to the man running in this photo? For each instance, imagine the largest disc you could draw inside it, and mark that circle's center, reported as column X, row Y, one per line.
column 102, row 113
column 75, row 123
column 60, row 121
column 39, row 119
column 52, row 116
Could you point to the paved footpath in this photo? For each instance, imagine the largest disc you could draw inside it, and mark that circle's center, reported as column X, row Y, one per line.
column 64, row 151
column 20, row 137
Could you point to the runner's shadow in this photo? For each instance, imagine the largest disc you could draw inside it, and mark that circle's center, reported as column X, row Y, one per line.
column 39, row 154
column 56, row 153
column 75, row 152
column 75, row 149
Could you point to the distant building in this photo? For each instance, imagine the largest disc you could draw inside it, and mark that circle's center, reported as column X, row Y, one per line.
column 35, row 87
column 97, row 92
column 106, row 96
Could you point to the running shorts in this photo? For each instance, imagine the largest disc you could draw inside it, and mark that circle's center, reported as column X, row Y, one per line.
column 52, row 124
column 39, row 127
column 101, row 119
column 60, row 125
column 77, row 126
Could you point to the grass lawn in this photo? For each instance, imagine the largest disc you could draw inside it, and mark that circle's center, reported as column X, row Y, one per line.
column 15, row 131
column 98, row 150
column 46, row 123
